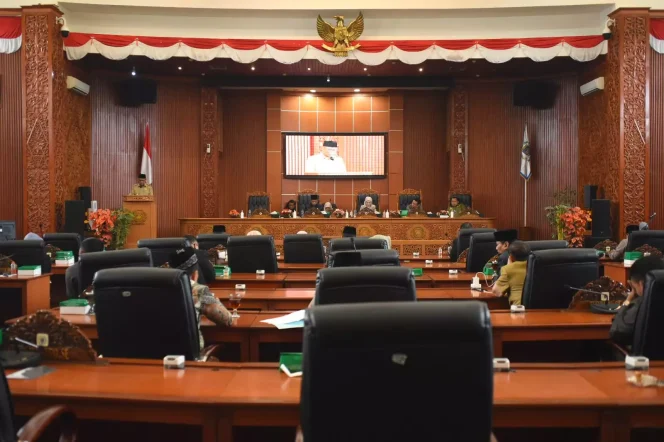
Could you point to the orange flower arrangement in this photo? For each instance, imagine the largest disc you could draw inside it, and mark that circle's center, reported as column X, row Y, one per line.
column 102, row 223
column 574, row 223
column 234, row 214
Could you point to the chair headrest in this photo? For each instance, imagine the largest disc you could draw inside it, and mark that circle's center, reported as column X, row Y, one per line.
column 482, row 238
column 139, row 277
column 252, row 240
column 564, row 256
column 360, row 244
column 61, row 236
column 303, row 238
column 164, row 243
column 212, row 236
column 117, row 258
column 468, row 232
column 546, row 245
column 356, row 277
column 22, row 244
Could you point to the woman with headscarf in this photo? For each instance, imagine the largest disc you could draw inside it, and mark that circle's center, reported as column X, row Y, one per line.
column 368, row 205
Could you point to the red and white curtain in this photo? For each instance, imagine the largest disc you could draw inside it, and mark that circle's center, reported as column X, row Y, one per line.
column 657, row 34
column 371, row 53
column 10, row 34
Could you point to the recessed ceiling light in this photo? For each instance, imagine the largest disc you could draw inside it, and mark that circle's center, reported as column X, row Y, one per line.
column 313, row 91
column 133, row 71
column 356, row 90
column 421, row 69
column 203, row 74
column 179, row 68
column 253, row 68
column 308, row 69
column 477, row 75
column 328, row 78
column 365, row 69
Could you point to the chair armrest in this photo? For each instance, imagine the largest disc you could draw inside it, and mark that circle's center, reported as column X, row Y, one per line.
column 41, row 421
column 211, row 353
column 620, row 349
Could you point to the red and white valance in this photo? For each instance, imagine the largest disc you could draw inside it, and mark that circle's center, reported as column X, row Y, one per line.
column 371, row 53
column 10, row 34
column 657, row 34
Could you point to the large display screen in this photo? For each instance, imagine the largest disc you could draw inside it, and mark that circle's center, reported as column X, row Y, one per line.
column 334, row 155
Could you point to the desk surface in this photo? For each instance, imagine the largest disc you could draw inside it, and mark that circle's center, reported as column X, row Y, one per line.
column 20, row 279
column 243, row 277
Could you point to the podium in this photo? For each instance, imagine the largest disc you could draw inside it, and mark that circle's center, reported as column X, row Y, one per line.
column 145, row 222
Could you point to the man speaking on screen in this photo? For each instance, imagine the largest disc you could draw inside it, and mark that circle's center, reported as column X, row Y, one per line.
column 327, row 161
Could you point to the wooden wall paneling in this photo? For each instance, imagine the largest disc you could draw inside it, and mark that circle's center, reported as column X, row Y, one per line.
column 117, row 144
column 459, row 137
column 425, row 158
column 274, row 152
column 11, row 139
column 494, row 152
column 243, row 162
column 396, row 148
column 209, row 151
column 657, row 138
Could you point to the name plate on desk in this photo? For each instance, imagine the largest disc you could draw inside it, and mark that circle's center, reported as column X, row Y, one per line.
column 128, row 198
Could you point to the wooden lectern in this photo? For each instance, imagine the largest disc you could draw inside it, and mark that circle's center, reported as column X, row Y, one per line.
column 145, row 222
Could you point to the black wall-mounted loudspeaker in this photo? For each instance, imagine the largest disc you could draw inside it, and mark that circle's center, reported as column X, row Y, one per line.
column 589, row 194
column 75, row 213
column 133, row 92
column 536, row 94
column 85, row 194
column 601, row 218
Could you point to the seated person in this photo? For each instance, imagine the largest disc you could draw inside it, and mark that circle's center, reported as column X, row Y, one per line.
column 328, row 207
column 291, row 205
column 619, row 252
column 622, row 329
column 205, row 303
column 206, row 273
column 415, row 207
column 73, row 273
column 513, row 274
column 315, row 203
column 503, row 240
column 368, row 205
column 456, row 208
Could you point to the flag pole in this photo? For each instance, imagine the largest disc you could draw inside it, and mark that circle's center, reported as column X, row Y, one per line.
column 525, row 202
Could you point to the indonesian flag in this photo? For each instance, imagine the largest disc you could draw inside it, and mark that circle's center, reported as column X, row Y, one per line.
column 525, row 156
column 146, row 162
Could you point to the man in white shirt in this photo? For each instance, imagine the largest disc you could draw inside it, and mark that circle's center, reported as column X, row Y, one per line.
column 326, row 162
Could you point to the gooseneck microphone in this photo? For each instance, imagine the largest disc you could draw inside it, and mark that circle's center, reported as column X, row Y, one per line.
column 569, row 287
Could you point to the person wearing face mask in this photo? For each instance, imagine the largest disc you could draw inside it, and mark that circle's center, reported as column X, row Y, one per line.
column 327, row 161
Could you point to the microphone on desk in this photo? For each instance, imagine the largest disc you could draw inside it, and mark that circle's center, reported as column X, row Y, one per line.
column 605, row 308
column 569, row 287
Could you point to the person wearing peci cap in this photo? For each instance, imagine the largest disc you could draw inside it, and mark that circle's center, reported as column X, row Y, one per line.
column 205, row 303
column 503, row 240
column 142, row 188
column 327, row 161
column 315, row 203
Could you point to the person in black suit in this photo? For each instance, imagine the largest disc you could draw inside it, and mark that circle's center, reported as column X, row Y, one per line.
column 206, row 273
column 73, row 273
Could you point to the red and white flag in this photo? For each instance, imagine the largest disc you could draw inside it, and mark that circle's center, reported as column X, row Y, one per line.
column 146, row 162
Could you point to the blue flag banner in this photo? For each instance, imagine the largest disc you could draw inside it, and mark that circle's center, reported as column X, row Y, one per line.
column 526, row 172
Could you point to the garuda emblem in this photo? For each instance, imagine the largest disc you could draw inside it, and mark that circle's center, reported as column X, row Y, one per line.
column 340, row 36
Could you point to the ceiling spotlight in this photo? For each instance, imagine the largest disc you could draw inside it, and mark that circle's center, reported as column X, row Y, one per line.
column 253, row 68
column 179, row 68
column 133, row 72
column 356, row 90
column 421, row 69
column 308, row 69
column 365, row 69
column 328, row 78
column 203, row 74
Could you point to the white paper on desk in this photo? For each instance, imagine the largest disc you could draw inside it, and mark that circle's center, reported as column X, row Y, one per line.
column 291, row 320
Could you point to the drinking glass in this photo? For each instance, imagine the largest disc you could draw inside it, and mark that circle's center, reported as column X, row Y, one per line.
column 234, row 301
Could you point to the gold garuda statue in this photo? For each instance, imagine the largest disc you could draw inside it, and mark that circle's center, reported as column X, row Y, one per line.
column 340, row 35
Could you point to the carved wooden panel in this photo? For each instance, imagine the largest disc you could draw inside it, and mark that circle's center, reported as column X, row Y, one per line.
column 209, row 161
column 459, row 131
column 634, row 38
column 36, row 110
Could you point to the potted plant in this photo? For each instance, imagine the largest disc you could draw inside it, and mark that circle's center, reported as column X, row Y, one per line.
column 111, row 226
column 123, row 221
column 567, row 219
column 234, row 214
column 574, row 222
column 286, row 213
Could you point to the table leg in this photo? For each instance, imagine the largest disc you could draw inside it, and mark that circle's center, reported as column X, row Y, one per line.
column 210, row 430
column 224, row 430
column 36, row 295
column 254, row 349
column 245, row 351
column 497, row 344
column 614, row 427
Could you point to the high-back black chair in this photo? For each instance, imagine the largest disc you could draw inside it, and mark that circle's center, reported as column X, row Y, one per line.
column 162, row 248
column 246, row 254
column 551, row 244
column 407, row 196
column 208, row 240
column 258, row 200
column 93, row 262
column 64, row 241
column 363, row 193
column 125, row 301
column 304, row 200
column 649, row 327
column 399, row 351
column 340, row 244
column 462, row 241
column 38, row 424
column 369, row 257
column 464, row 198
column 550, row 272
column 654, row 238
column 28, row 252
column 364, row 284
column 304, row 249
column 482, row 248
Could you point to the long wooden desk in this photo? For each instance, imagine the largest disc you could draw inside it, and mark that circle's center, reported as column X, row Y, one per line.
column 218, row 397
column 308, row 280
column 251, row 280
column 436, row 267
column 536, row 325
column 35, row 291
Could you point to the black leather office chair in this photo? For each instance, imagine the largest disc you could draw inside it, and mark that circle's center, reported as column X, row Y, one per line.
column 128, row 327
column 482, row 248
column 394, row 354
column 364, row 284
column 30, row 252
column 462, row 241
column 407, row 196
column 209, row 240
column 546, row 245
column 464, row 198
column 91, row 263
column 304, row 249
column 258, row 200
column 340, row 244
column 369, row 257
column 649, row 327
column 361, row 196
column 59, row 415
column 654, row 238
column 550, row 271
column 246, row 254
column 64, row 241
column 162, row 248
